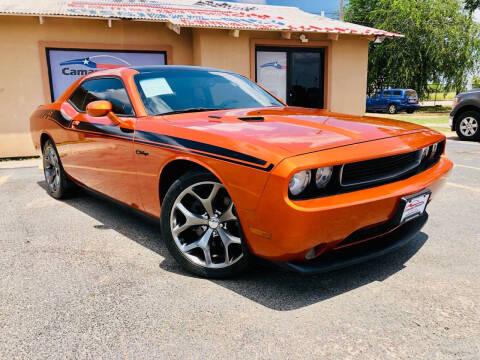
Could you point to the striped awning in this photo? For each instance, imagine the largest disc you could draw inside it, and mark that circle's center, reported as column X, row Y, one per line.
column 193, row 13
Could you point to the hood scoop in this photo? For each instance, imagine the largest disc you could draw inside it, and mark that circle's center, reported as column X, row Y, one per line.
column 251, row 118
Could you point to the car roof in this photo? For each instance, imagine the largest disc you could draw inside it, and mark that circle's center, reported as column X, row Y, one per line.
column 395, row 90
column 163, row 68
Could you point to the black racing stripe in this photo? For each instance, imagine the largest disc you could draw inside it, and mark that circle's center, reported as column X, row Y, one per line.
column 54, row 115
column 195, row 145
column 268, row 168
column 159, row 140
column 61, row 119
column 113, row 130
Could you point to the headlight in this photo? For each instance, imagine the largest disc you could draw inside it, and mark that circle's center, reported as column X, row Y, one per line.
column 299, row 182
column 323, row 176
column 434, row 150
column 425, row 152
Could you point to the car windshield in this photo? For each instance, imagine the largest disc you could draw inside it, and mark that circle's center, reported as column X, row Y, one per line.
column 177, row 91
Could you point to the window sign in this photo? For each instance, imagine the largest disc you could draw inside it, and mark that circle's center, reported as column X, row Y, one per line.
column 67, row 65
column 272, row 72
column 155, row 87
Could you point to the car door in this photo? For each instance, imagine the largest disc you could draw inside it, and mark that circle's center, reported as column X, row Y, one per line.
column 385, row 99
column 101, row 153
column 372, row 102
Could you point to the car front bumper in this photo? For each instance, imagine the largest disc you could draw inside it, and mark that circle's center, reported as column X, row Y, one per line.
column 284, row 230
column 361, row 252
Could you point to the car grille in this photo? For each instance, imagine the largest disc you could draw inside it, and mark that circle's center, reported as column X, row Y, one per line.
column 379, row 170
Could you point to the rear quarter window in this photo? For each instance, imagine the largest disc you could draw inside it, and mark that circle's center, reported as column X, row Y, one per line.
column 397, row 93
column 77, row 98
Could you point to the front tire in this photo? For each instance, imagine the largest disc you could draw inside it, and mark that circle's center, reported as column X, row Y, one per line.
column 58, row 184
column 201, row 228
column 392, row 109
column 468, row 126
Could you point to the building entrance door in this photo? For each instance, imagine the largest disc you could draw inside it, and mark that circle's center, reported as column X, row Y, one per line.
column 296, row 75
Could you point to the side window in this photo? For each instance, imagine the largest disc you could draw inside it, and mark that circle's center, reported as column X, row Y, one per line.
column 110, row 89
column 78, row 97
column 397, row 93
column 387, row 93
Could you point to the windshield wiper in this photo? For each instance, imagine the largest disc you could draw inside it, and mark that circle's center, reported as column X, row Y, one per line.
column 198, row 109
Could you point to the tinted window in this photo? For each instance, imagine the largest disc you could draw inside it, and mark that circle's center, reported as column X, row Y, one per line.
column 177, row 90
column 110, row 89
column 397, row 93
column 78, row 98
column 387, row 93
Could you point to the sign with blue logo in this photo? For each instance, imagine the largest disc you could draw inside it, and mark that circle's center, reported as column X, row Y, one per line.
column 67, row 65
column 272, row 72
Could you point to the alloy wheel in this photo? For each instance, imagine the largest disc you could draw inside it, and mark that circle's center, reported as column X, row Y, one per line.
column 51, row 168
column 468, row 126
column 205, row 226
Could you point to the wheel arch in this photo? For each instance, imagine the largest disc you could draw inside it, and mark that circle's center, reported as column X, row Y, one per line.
column 44, row 137
column 462, row 111
column 177, row 167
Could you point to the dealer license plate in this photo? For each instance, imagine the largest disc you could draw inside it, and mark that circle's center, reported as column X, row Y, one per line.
column 415, row 205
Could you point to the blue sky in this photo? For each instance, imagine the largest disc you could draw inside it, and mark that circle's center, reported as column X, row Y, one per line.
column 314, row 6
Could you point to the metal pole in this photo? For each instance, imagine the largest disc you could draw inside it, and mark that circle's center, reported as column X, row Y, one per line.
column 340, row 11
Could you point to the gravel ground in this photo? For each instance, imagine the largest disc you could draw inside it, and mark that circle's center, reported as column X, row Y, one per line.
column 85, row 279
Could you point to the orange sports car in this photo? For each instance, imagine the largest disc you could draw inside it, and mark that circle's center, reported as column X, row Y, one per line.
column 232, row 172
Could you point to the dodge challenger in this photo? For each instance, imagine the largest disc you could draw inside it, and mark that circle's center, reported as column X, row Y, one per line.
column 233, row 173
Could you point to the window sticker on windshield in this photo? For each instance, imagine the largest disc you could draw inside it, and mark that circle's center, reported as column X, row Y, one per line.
column 155, row 87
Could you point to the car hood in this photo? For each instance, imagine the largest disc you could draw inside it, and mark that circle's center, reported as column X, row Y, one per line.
column 288, row 131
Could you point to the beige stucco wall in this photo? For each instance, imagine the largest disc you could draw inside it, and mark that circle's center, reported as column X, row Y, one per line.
column 216, row 48
column 21, row 87
column 21, row 82
column 348, row 75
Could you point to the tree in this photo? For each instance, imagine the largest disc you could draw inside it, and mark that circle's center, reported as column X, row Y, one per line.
column 440, row 45
column 472, row 5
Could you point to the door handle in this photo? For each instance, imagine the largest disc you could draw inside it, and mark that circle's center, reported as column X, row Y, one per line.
column 140, row 152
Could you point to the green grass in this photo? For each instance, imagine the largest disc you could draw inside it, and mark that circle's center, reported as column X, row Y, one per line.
column 441, row 96
column 435, row 109
column 435, row 120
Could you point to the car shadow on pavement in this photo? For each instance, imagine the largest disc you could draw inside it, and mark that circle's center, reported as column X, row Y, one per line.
column 263, row 282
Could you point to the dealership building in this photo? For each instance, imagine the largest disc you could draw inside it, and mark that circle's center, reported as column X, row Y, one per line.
column 305, row 59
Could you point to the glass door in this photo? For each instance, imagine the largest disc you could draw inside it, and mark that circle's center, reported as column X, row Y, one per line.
column 296, row 75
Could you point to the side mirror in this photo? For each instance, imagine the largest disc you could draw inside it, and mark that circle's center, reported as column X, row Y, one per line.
column 99, row 108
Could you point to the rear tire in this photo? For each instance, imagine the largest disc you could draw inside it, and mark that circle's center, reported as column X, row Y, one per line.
column 58, row 184
column 201, row 228
column 468, row 126
column 392, row 109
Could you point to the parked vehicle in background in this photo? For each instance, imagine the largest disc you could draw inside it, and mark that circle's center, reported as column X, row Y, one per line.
column 393, row 101
column 465, row 115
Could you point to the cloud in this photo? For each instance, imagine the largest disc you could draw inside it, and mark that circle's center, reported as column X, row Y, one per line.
column 259, row 2
column 476, row 15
